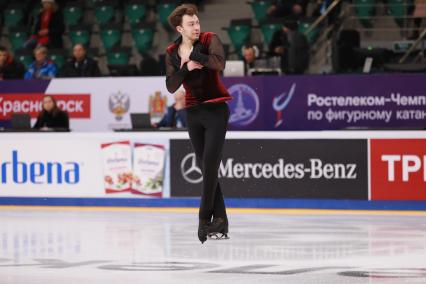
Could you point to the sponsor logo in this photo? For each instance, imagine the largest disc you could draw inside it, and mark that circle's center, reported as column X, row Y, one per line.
column 398, row 169
column 77, row 105
column 230, row 169
column 280, row 102
column 157, row 105
column 189, row 169
column 409, row 165
column 314, row 169
column 119, row 104
column 36, row 172
column 245, row 105
column 140, row 171
column 256, row 168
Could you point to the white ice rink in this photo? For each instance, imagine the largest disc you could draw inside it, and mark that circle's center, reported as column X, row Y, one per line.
column 73, row 246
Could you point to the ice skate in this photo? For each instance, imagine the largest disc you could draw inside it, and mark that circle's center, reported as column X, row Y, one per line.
column 203, row 230
column 218, row 229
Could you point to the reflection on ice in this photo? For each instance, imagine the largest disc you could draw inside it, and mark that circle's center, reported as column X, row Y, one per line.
column 99, row 244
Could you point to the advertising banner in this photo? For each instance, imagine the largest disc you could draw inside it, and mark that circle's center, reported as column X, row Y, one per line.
column 83, row 165
column 253, row 168
column 398, row 169
column 94, row 104
column 309, row 102
column 344, row 165
column 117, row 162
column 148, row 169
column 77, row 105
column 113, row 99
column 327, row 102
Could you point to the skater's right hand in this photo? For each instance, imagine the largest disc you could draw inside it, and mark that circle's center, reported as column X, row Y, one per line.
column 194, row 65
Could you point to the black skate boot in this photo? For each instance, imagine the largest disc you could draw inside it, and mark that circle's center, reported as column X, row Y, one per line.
column 203, row 230
column 218, row 229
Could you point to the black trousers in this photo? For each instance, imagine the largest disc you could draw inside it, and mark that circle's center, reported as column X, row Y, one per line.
column 207, row 124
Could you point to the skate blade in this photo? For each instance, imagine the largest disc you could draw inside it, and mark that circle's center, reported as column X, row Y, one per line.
column 218, row 236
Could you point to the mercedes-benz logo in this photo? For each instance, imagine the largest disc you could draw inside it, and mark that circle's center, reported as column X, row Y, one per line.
column 189, row 169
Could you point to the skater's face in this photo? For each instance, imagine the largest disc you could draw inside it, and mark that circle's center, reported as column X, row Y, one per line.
column 190, row 27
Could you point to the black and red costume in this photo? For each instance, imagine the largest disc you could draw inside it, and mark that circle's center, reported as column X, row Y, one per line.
column 207, row 112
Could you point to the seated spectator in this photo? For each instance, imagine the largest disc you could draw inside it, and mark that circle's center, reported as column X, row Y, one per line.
column 9, row 68
column 176, row 114
column 42, row 67
column 149, row 66
column 48, row 28
column 80, row 65
column 51, row 116
column 250, row 53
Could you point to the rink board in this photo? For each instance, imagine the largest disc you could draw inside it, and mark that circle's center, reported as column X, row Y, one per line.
column 325, row 170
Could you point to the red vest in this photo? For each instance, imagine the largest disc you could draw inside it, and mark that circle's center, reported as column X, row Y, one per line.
column 202, row 86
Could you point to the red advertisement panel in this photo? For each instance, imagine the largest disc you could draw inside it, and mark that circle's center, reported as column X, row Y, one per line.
column 398, row 169
column 77, row 105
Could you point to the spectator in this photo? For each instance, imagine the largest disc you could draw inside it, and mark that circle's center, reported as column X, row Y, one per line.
column 48, row 28
column 42, row 67
column 149, row 66
column 51, row 116
column 250, row 53
column 176, row 114
column 279, row 46
column 9, row 68
column 80, row 65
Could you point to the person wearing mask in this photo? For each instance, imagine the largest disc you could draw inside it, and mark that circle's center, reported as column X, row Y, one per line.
column 48, row 27
column 176, row 114
column 51, row 116
column 42, row 67
column 9, row 68
column 80, row 65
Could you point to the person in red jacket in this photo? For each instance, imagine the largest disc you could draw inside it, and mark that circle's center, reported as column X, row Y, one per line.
column 48, row 28
column 195, row 60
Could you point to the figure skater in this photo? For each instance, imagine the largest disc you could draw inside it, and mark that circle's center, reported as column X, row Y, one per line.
column 195, row 60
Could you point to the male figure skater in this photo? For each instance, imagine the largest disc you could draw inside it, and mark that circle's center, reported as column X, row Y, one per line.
column 195, row 60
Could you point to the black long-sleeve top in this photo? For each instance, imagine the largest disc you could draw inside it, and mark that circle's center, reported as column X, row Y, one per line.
column 201, row 85
column 88, row 67
column 50, row 120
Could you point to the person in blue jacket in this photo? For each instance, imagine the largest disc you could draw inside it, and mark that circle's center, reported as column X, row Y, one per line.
column 176, row 114
column 42, row 67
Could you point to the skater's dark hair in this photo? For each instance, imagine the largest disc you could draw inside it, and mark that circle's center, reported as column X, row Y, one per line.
column 175, row 18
